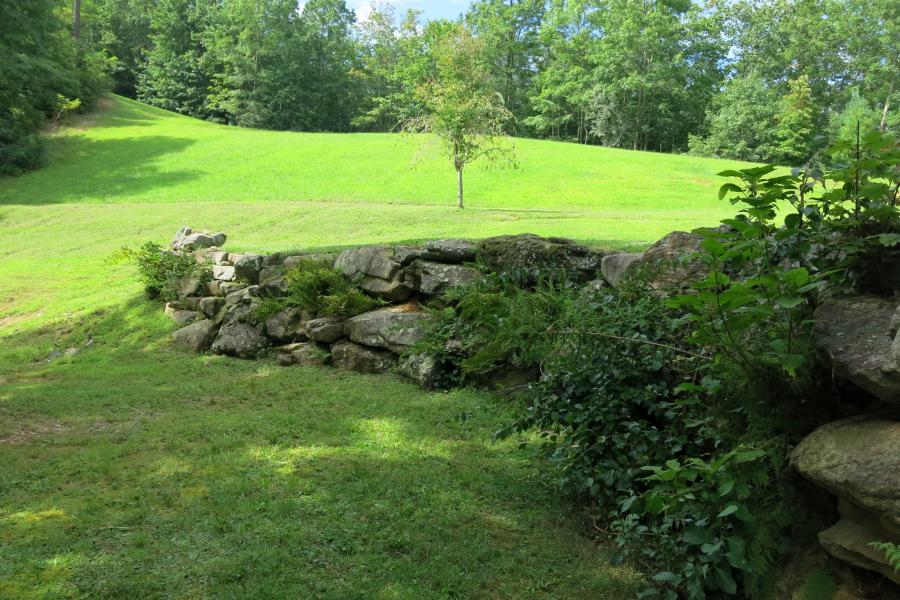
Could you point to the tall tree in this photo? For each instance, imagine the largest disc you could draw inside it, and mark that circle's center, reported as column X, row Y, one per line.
column 461, row 109
column 796, row 123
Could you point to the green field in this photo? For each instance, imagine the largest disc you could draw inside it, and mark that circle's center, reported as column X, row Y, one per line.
column 130, row 470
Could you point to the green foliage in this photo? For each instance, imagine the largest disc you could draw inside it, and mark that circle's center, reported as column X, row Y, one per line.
column 317, row 287
column 164, row 271
column 796, row 122
column 891, row 552
column 705, row 521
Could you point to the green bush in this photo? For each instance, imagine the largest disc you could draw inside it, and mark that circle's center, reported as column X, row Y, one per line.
column 317, row 287
column 163, row 271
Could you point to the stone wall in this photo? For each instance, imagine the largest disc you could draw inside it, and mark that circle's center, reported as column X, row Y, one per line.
column 857, row 460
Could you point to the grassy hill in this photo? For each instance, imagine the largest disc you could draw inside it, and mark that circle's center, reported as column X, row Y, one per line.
column 129, row 469
column 130, row 172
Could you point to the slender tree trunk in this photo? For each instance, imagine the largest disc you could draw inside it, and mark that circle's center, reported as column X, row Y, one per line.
column 887, row 106
column 459, row 187
column 76, row 19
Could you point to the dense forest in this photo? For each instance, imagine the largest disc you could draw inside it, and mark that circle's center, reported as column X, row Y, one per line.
column 766, row 80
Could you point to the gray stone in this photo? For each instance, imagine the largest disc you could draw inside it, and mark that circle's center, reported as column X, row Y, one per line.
column 858, row 460
column 848, row 540
column 326, row 330
column 214, row 288
column 241, row 339
column 353, row 357
column 229, row 287
column 223, row 273
column 450, row 251
column 406, row 254
column 177, row 312
column 196, row 336
column 247, row 267
column 392, row 291
column 239, row 296
column 187, row 240
column 297, row 259
column 422, row 369
column 189, row 286
column 895, row 323
column 596, row 286
column 531, row 255
column 673, row 263
column 434, row 278
column 271, row 273
column 394, row 328
column 286, row 325
column 192, row 303
column 853, row 334
column 210, row 306
column 614, row 266
column 372, row 261
column 304, row 354
column 273, row 288
column 219, row 258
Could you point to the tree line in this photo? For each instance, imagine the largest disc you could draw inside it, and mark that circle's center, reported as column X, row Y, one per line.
column 766, row 80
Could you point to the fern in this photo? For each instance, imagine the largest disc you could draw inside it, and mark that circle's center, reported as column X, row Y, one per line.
column 891, row 552
column 819, row 585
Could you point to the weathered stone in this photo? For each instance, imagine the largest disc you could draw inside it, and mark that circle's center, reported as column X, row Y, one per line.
column 247, row 267
column 854, row 336
column 857, row 459
column 614, row 266
column 353, row 357
column 271, row 273
column 223, row 273
column 219, row 258
column 406, row 254
column 422, row 369
column 394, row 328
column 273, row 288
column 392, row 291
column 310, row 354
column 290, row 262
column 895, row 323
column 372, row 261
column 210, row 306
column 188, row 240
column 284, row 359
column 229, row 287
column 434, row 278
column 239, row 296
column 326, row 330
column 214, row 288
column 286, row 325
column 192, row 303
column 673, row 263
column 848, row 540
column 241, row 339
column 189, row 286
column 449, row 251
column 177, row 312
column 531, row 255
column 196, row 336
column 596, row 286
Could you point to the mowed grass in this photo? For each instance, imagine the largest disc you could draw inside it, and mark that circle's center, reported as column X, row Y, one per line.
column 131, row 470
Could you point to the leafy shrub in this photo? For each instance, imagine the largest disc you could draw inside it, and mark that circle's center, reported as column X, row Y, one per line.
column 163, row 271
column 317, row 287
column 709, row 522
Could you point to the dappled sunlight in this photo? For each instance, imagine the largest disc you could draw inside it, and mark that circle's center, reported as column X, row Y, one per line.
column 34, row 517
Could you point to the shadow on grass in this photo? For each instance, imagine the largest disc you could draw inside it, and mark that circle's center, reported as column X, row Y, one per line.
column 104, row 170
column 169, row 474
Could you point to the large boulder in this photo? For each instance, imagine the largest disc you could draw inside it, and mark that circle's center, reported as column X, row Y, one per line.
column 376, row 270
column 423, row 369
column 325, row 330
column 248, row 267
column 434, row 278
column 287, row 325
column 223, row 273
column 394, row 328
column 857, row 459
column 857, row 338
column 450, row 251
column 197, row 336
column 849, row 540
column 179, row 313
column 614, row 266
column 240, row 339
column 353, row 357
column 210, row 306
column 188, row 240
column 303, row 354
column 533, row 255
column 673, row 263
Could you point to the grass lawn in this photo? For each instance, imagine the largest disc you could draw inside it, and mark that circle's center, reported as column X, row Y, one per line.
column 131, row 470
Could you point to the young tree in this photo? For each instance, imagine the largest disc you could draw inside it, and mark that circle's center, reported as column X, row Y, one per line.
column 463, row 112
column 796, row 122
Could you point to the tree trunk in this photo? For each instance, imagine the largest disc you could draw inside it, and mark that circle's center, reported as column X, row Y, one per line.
column 887, row 106
column 459, row 187
column 76, row 19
